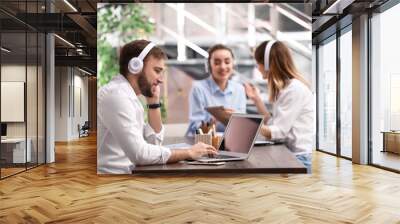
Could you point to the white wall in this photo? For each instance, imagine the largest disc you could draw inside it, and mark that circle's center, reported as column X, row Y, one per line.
column 81, row 89
column 71, row 94
column 33, row 127
column 17, row 73
column 62, row 80
column 14, row 73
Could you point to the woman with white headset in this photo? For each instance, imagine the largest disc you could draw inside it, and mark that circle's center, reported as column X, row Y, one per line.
column 124, row 139
column 293, row 111
column 216, row 90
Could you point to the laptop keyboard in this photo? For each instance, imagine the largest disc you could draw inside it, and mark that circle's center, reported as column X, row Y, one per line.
column 222, row 157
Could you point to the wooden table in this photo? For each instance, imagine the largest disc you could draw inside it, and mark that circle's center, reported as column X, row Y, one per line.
column 391, row 141
column 262, row 159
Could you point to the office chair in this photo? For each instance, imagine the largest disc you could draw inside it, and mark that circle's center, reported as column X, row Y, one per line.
column 84, row 130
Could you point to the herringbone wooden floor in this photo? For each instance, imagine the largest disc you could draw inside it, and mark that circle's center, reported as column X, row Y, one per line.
column 69, row 191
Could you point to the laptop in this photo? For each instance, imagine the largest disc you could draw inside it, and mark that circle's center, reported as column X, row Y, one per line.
column 239, row 137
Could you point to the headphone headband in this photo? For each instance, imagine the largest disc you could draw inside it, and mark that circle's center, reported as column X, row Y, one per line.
column 267, row 53
column 146, row 50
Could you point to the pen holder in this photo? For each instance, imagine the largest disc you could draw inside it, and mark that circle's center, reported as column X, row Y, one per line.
column 216, row 141
column 205, row 138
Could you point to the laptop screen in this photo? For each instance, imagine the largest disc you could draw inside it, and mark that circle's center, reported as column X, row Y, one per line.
column 240, row 133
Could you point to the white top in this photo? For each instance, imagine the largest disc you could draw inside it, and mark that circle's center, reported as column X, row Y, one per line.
column 124, row 139
column 293, row 116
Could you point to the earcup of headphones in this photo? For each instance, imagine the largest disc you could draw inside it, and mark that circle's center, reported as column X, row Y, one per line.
column 135, row 65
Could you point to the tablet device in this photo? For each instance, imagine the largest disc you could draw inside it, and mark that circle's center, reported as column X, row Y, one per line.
column 219, row 113
column 263, row 142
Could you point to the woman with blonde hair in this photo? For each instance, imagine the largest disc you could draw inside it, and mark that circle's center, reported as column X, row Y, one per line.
column 292, row 116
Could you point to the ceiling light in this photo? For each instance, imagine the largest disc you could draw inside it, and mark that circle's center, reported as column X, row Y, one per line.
column 337, row 7
column 64, row 40
column 5, row 49
column 294, row 18
column 70, row 5
column 84, row 71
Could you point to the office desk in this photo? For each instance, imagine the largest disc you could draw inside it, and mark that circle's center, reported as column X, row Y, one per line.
column 263, row 159
column 13, row 150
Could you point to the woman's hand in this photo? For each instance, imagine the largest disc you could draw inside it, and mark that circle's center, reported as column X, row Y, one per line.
column 229, row 111
column 266, row 131
column 252, row 92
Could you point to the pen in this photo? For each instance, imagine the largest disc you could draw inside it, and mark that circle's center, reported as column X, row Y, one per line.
column 203, row 127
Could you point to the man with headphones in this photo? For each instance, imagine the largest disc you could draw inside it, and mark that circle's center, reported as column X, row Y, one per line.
column 124, row 139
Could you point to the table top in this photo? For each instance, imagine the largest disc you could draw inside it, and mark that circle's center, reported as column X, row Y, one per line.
column 13, row 140
column 262, row 159
column 391, row 132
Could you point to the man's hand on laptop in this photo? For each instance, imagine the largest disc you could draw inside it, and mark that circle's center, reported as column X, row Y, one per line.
column 200, row 149
column 195, row 152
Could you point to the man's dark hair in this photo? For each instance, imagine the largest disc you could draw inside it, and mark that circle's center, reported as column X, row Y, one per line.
column 133, row 49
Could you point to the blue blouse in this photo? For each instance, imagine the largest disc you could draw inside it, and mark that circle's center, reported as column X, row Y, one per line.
column 206, row 93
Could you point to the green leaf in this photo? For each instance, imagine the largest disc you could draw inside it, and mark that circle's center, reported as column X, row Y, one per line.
column 130, row 23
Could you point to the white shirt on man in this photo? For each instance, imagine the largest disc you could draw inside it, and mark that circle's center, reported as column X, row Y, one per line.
column 124, row 139
column 293, row 118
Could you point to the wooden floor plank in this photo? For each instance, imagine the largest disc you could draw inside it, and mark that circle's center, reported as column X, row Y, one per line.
column 70, row 191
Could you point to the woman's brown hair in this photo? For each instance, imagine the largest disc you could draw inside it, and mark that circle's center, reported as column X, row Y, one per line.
column 281, row 68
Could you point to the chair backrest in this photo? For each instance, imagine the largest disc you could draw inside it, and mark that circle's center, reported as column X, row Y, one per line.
column 86, row 125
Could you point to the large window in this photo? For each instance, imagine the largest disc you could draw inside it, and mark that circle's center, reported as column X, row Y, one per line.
column 346, row 93
column 327, row 96
column 385, row 84
column 333, row 137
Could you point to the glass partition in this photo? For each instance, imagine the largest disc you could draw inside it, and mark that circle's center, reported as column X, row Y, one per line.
column 41, row 87
column 22, row 87
column 31, row 97
column 14, row 153
column 346, row 94
column 327, row 96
